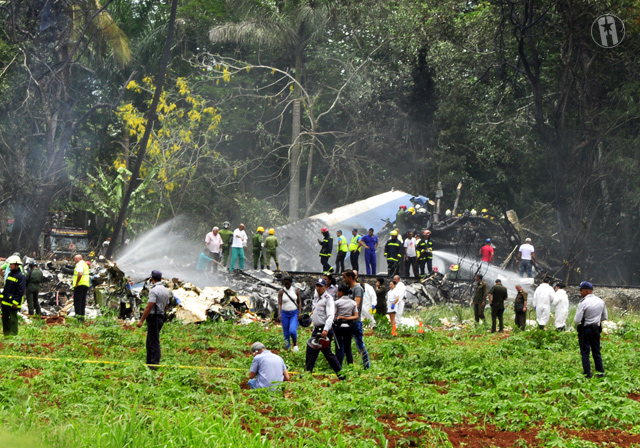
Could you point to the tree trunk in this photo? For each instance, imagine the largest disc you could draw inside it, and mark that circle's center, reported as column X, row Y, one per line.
column 151, row 118
column 294, row 154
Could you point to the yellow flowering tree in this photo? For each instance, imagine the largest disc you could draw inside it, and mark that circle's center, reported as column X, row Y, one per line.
column 183, row 133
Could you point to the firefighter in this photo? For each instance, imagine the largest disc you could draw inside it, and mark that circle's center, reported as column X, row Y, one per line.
column 12, row 297
column 270, row 245
column 425, row 252
column 393, row 252
column 326, row 246
column 258, row 256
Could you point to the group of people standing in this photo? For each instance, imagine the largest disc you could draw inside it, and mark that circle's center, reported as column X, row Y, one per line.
column 338, row 316
column 403, row 255
column 219, row 243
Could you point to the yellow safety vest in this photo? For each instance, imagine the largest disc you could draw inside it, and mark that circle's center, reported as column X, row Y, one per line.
column 342, row 244
column 84, row 280
column 354, row 243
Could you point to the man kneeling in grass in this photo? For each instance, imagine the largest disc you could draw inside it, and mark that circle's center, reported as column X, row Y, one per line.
column 267, row 369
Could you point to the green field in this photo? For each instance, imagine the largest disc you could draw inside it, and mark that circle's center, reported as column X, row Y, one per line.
column 440, row 388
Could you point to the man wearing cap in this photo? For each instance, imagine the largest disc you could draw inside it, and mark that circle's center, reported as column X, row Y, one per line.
column 526, row 258
column 322, row 315
column 479, row 298
column 154, row 314
column 227, row 238
column 326, row 246
column 589, row 316
column 342, row 252
column 486, row 255
column 497, row 296
column 355, row 246
column 11, row 297
column 267, row 369
column 33, row 278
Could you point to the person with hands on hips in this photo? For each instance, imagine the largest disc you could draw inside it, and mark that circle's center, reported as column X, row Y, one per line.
column 289, row 306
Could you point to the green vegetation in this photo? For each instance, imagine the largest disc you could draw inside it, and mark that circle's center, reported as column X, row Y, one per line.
column 422, row 390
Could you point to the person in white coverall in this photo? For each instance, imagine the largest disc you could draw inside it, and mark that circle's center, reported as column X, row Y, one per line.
column 369, row 301
column 400, row 293
column 560, row 304
column 542, row 299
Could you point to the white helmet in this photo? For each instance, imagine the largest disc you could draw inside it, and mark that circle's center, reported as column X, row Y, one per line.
column 14, row 259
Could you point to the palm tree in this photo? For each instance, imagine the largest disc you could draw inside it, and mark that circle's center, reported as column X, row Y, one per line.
column 285, row 25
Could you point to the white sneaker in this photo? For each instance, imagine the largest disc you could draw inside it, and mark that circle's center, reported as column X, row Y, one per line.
column 295, row 349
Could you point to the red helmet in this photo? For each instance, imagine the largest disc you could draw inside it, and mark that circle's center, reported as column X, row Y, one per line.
column 324, row 229
column 426, row 232
column 403, row 207
column 435, row 269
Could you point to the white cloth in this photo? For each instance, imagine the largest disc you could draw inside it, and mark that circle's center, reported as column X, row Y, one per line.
column 370, row 299
column 526, row 250
column 239, row 238
column 290, row 301
column 560, row 304
column 410, row 247
column 542, row 299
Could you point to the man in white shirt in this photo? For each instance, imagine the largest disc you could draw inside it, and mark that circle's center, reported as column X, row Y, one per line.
column 526, row 258
column 589, row 316
column 213, row 243
column 238, row 243
column 410, row 255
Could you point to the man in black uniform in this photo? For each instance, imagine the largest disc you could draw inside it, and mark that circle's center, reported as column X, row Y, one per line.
column 393, row 252
column 497, row 296
column 325, row 250
column 12, row 296
column 520, row 308
column 154, row 314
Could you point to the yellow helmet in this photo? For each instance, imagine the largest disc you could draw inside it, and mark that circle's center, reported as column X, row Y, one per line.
column 484, row 210
column 260, row 229
column 272, row 231
column 393, row 233
column 412, row 210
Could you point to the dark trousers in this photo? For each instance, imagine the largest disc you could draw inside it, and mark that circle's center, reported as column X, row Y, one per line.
column 421, row 264
column 215, row 256
column 393, row 267
column 258, row 258
column 9, row 320
column 343, row 344
column 340, row 261
column 411, row 262
column 226, row 250
column 312, row 354
column 80, row 299
column 589, row 340
column 496, row 313
column 478, row 311
column 521, row 320
column 354, row 258
column 32, row 302
column 326, row 267
column 154, row 326
column 429, row 265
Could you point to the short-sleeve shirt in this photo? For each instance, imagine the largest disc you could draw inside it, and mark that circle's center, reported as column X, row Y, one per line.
column 498, row 296
column 486, row 252
column 526, row 250
column 159, row 295
column 410, row 247
column 345, row 307
column 370, row 241
column 357, row 291
column 269, row 368
column 239, row 238
column 214, row 242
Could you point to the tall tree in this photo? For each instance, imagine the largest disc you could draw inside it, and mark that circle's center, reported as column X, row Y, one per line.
column 289, row 26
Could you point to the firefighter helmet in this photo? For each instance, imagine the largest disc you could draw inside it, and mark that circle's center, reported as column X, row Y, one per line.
column 393, row 233
column 324, row 229
column 13, row 259
column 272, row 231
column 260, row 229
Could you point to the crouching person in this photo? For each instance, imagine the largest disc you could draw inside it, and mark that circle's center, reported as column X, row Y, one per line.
column 323, row 312
column 267, row 369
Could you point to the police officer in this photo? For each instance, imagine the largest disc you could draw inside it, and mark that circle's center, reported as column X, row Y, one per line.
column 322, row 318
column 154, row 314
column 11, row 297
column 589, row 316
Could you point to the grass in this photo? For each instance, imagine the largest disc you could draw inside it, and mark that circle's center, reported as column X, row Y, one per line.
column 421, row 387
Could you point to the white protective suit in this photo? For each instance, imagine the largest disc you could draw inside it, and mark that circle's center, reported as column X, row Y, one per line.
column 400, row 291
column 560, row 306
column 370, row 299
column 542, row 299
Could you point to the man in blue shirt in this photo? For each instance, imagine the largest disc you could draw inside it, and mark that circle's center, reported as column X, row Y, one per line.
column 370, row 242
column 267, row 369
